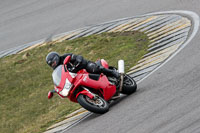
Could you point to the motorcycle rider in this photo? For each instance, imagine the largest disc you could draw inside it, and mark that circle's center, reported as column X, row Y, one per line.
column 53, row 59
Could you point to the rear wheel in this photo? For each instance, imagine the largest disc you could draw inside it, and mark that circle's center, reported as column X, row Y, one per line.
column 129, row 85
column 97, row 105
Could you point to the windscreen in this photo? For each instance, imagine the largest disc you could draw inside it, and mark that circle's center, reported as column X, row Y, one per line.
column 57, row 75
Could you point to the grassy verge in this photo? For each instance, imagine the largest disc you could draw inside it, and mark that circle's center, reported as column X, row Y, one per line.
column 25, row 78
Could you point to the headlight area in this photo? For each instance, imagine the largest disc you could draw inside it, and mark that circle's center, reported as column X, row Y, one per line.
column 66, row 89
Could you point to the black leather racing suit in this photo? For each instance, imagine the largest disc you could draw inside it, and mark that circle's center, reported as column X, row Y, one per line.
column 90, row 66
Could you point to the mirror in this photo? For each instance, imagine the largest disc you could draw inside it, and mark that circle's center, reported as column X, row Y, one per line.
column 50, row 95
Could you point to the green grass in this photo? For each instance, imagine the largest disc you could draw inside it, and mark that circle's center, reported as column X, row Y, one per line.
column 25, row 78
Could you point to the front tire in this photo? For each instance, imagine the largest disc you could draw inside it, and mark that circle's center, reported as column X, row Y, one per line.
column 129, row 85
column 99, row 105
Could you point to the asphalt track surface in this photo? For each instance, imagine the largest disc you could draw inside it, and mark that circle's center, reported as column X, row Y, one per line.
column 167, row 101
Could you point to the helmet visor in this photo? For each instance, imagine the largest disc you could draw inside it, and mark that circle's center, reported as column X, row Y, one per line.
column 55, row 62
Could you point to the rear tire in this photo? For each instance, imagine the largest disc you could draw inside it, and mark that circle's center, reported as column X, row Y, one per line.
column 129, row 85
column 98, row 106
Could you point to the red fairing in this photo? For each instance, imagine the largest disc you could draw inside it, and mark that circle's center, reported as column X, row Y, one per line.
column 104, row 63
column 74, row 85
column 85, row 92
column 65, row 75
column 102, row 84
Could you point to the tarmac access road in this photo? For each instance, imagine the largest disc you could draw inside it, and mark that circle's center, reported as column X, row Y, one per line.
column 167, row 101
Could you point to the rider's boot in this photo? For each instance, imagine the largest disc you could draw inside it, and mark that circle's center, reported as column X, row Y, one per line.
column 109, row 72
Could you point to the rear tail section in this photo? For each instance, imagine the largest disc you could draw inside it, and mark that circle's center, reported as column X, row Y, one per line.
column 104, row 63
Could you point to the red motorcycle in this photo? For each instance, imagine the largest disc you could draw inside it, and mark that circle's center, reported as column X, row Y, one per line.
column 91, row 91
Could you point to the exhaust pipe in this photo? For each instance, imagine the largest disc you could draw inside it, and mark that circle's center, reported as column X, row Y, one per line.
column 121, row 66
column 121, row 71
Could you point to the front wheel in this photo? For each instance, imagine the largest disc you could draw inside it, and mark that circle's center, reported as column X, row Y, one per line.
column 99, row 105
column 129, row 85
